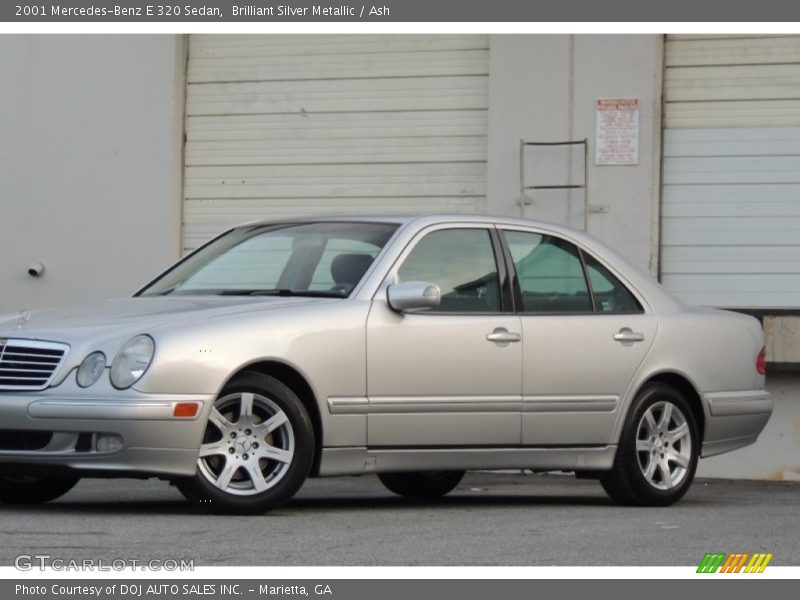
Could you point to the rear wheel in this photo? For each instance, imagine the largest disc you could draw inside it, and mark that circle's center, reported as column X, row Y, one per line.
column 422, row 485
column 34, row 490
column 257, row 449
column 658, row 450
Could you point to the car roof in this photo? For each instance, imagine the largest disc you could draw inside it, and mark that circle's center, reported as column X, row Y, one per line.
column 424, row 219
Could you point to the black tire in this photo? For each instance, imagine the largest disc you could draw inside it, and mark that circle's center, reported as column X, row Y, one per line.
column 295, row 438
column 34, row 490
column 628, row 482
column 421, row 485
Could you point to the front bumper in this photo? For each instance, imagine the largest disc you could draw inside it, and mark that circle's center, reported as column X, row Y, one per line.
column 55, row 432
column 734, row 419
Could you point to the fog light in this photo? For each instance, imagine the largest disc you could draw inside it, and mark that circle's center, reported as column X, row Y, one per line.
column 92, row 367
column 108, row 442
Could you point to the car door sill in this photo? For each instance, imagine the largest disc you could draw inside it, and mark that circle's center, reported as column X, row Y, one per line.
column 359, row 460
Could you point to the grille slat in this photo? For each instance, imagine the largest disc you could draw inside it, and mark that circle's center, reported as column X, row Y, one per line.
column 39, row 356
column 29, row 364
column 25, row 364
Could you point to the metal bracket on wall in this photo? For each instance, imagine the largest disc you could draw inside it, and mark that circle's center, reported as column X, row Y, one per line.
column 524, row 187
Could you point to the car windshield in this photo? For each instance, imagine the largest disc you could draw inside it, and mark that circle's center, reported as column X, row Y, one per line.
column 325, row 259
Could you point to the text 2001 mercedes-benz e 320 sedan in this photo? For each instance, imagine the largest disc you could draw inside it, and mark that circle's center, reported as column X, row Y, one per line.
column 413, row 347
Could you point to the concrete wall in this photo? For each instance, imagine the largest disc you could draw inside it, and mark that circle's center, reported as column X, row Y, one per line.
column 90, row 164
column 543, row 88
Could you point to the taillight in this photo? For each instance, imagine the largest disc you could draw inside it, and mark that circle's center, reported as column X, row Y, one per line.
column 761, row 362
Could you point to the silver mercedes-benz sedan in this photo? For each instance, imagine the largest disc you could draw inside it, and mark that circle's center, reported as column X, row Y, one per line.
column 410, row 347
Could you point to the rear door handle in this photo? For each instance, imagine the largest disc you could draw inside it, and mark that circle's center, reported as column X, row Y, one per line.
column 628, row 335
column 501, row 335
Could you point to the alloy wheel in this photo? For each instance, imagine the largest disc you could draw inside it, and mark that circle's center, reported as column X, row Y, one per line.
column 664, row 445
column 248, row 445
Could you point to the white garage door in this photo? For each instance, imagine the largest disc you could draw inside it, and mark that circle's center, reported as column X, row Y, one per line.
column 731, row 195
column 280, row 126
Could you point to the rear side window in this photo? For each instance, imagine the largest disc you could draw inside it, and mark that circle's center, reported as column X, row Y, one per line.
column 550, row 274
column 462, row 263
column 610, row 295
column 551, row 278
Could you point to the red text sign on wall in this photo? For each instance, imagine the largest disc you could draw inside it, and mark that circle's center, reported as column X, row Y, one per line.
column 617, row 135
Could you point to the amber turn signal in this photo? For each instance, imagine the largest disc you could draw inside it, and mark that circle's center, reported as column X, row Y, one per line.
column 186, row 409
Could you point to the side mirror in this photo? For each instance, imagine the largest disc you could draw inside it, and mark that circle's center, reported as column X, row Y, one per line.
column 413, row 295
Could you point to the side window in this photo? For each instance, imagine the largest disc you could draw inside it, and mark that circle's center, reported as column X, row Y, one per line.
column 550, row 274
column 462, row 263
column 609, row 294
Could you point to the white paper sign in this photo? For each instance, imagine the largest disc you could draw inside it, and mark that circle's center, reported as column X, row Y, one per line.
column 617, row 141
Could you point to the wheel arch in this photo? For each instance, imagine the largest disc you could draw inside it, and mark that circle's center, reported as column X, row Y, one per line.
column 685, row 387
column 298, row 383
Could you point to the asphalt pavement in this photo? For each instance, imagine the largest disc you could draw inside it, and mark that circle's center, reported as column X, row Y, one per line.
column 490, row 519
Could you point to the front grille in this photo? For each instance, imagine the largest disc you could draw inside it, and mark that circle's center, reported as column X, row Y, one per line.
column 29, row 364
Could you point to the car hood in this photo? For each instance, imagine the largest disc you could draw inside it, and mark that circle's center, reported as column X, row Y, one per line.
column 114, row 318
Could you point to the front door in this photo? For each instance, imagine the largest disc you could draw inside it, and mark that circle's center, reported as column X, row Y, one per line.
column 450, row 376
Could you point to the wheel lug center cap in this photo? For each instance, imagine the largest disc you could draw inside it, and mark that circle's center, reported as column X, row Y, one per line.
column 242, row 444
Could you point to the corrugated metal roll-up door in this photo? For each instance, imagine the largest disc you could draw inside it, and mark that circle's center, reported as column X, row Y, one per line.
column 280, row 126
column 731, row 171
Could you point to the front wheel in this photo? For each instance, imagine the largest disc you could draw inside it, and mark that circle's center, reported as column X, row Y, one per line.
column 658, row 450
column 34, row 490
column 257, row 449
column 422, row 485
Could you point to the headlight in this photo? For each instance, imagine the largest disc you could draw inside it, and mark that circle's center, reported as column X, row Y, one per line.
column 132, row 361
column 91, row 368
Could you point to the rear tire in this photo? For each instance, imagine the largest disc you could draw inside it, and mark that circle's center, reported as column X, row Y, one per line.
column 34, row 490
column 422, row 485
column 658, row 450
column 257, row 450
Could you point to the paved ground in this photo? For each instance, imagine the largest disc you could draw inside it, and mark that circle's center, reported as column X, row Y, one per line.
column 491, row 519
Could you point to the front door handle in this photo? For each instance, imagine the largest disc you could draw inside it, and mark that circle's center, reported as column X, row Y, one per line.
column 626, row 335
column 501, row 335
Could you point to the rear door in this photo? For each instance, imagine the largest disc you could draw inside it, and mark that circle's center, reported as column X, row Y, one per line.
column 585, row 333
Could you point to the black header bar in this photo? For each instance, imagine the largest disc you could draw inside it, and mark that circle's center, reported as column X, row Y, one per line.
column 221, row 11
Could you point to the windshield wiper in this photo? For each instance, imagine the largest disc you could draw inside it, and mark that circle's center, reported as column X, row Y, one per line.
column 283, row 292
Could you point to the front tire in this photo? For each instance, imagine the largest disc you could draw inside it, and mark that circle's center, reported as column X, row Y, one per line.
column 658, row 450
column 422, row 485
column 257, row 449
column 34, row 490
